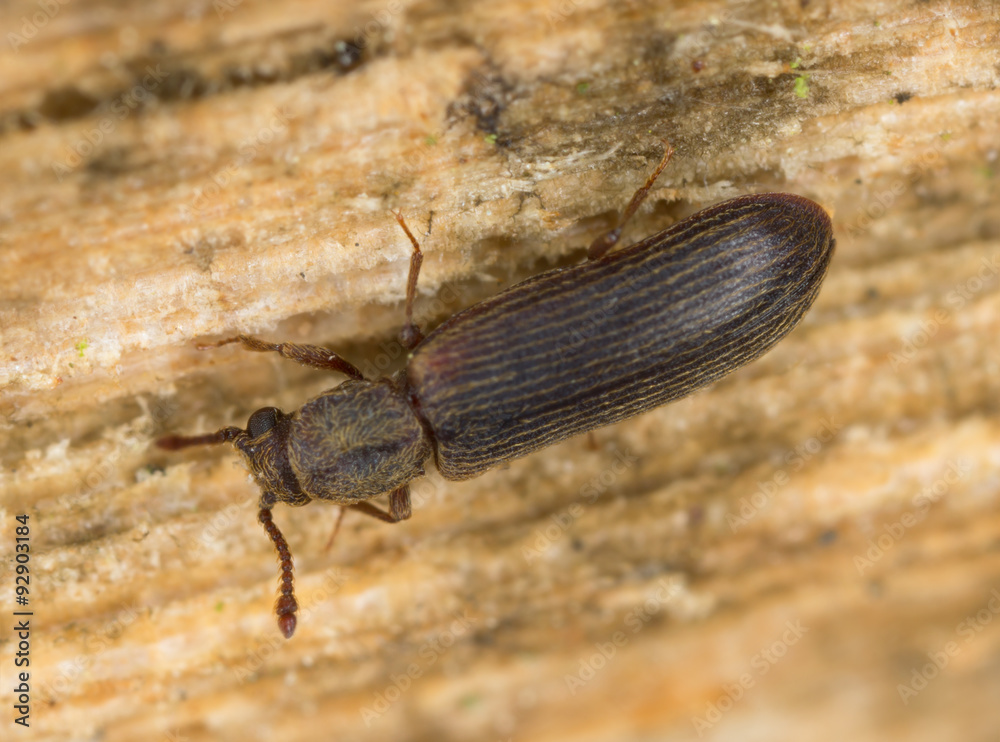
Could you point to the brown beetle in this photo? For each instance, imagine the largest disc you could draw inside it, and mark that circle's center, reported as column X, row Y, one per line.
column 559, row 354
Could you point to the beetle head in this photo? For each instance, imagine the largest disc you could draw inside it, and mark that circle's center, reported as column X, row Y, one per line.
column 264, row 447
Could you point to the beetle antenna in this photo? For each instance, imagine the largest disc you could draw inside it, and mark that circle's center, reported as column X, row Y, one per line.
column 175, row 442
column 286, row 605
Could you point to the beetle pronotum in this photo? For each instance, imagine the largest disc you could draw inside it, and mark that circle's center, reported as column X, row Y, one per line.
column 517, row 372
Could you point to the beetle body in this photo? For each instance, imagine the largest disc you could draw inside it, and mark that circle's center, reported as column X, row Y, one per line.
column 559, row 354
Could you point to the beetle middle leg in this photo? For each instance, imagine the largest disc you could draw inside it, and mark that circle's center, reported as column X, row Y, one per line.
column 308, row 355
column 606, row 241
column 399, row 507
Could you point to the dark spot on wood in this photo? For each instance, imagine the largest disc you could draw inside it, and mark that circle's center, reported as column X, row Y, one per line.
column 339, row 55
column 204, row 250
column 485, row 96
column 19, row 121
column 182, row 83
column 902, row 97
column 345, row 56
column 112, row 161
column 237, row 77
column 67, row 102
column 656, row 46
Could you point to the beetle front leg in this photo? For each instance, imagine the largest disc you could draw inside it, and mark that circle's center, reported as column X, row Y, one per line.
column 308, row 355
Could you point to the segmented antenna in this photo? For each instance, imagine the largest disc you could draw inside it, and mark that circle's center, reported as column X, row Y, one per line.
column 286, row 605
column 177, row 442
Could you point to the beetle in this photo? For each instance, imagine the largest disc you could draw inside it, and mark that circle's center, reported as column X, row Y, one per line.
column 559, row 354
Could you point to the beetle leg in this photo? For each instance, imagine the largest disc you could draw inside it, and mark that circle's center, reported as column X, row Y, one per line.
column 399, row 507
column 609, row 239
column 410, row 336
column 336, row 528
column 287, row 605
column 308, row 355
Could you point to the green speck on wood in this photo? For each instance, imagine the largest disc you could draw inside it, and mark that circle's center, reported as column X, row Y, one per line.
column 490, row 138
column 801, row 86
column 81, row 346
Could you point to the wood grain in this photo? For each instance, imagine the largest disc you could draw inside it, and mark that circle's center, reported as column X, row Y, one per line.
column 772, row 558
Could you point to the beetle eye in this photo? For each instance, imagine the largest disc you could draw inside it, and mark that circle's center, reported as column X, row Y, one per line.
column 262, row 421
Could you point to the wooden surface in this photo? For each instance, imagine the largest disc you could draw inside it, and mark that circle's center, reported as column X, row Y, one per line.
column 778, row 557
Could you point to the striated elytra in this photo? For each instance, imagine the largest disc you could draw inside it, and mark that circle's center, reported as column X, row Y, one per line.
column 559, row 354
column 570, row 350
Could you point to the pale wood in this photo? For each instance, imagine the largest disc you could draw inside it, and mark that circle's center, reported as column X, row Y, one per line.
column 510, row 134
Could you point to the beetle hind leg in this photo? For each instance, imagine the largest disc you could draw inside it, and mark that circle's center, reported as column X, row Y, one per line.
column 410, row 336
column 609, row 239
